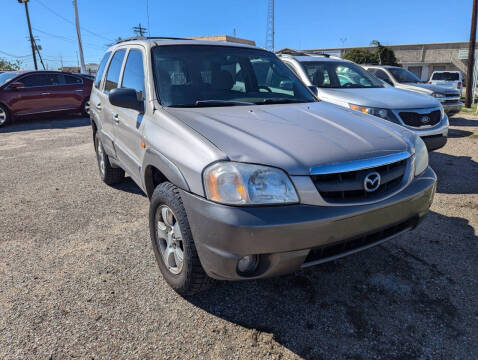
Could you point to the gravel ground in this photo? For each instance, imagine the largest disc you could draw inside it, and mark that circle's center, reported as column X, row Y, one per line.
column 78, row 278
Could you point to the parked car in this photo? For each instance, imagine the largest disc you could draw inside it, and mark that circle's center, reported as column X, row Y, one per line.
column 404, row 79
column 345, row 83
column 248, row 175
column 35, row 92
column 448, row 79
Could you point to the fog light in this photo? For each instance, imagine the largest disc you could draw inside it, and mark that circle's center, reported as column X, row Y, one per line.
column 248, row 264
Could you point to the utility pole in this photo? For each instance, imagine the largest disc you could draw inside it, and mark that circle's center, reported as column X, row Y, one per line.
column 270, row 31
column 37, row 48
column 80, row 46
column 139, row 30
column 471, row 58
column 30, row 31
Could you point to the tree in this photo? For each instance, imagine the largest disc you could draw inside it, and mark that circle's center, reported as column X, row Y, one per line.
column 361, row 56
column 6, row 65
column 385, row 55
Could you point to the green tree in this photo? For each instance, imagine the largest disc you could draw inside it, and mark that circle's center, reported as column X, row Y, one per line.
column 6, row 65
column 384, row 54
column 361, row 56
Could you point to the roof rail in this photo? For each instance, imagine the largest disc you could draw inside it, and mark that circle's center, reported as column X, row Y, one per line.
column 150, row 38
column 300, row 53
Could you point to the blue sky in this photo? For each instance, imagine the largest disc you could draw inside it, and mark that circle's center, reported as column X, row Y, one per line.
column 299, row 23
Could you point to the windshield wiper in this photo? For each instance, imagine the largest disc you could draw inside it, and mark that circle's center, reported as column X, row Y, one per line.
column 204, row 103
column 280, row 101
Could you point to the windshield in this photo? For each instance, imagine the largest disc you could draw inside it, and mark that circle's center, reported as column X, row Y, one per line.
column 446, row 76
column 404, row 76
column 6, row 77
column 203, row 75
column 328, row 74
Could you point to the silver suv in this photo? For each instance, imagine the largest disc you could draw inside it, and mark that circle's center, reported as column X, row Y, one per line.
column 347, row 84
column 248, row 175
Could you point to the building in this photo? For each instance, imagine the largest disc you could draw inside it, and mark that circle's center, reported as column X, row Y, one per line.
column 91, row 68
column 421, row 59
column 226, row 38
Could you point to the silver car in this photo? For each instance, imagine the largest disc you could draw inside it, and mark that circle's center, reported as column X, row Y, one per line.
column 403, row 79
column 346, row 84
column 248, row 175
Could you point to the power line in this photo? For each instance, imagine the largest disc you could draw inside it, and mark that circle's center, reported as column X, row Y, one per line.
column 64, row 38
column 71, row 22
column 15, row 56
column 139, row 30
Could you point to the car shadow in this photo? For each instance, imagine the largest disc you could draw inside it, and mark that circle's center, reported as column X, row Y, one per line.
column 461, row 121
column 128, row 185
column 372, row 305
column 456, row 174
column 43, row 122
column 457, row 133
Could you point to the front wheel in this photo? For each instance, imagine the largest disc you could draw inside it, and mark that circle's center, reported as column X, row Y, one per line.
column 173, row 242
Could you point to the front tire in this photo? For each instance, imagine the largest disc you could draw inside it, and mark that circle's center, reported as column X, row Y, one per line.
column 5, row 116
column 173, row 242
column 108, row 174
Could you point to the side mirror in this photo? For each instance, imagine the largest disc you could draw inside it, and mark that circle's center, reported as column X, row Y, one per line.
column 126, row 98
column 16, row 85
column 314, row 89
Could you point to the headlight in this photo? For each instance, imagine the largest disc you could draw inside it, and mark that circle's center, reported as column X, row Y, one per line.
column 381, row 113
column 439, row 96
column 247, row 184
column 442, row 111
column 421, row 156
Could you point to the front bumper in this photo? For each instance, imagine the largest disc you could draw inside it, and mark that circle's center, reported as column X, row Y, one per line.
column 452, row 108
column 283, row 236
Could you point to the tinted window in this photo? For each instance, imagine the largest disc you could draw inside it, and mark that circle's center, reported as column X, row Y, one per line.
column 188, row 75
column 6, row 77
column 382, row 75
column 40, row 80
column 101, row 69
column 446, row 76
column 112, row 77
column 338, row 74
column 133, row 74
column 403, row 76
column 72, row 80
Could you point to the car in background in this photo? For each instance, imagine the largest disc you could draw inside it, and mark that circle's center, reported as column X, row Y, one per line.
column 404, row 79
column 25, row 93
column 448, row 79
column 345, row 83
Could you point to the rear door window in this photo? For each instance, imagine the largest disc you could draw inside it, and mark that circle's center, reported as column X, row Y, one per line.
column 72, row 80
column 101, row 69
column 133, row 74
column 114, row 70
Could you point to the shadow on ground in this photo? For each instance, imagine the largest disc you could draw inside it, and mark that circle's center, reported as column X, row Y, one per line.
column 40, row 122
column 128, row 185
column 387, row 302
column 461, row 121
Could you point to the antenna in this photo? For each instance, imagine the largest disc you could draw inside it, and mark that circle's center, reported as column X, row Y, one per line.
column 270, row 32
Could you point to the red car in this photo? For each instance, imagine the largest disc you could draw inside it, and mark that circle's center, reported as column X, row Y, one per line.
column 36, row 92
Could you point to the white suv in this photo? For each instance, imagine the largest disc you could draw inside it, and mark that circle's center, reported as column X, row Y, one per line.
column 448, row 79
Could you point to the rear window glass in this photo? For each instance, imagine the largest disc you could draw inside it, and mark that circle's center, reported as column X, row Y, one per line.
column 446, row 76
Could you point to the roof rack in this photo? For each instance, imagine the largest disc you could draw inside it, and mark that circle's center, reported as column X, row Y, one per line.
column 300, row 53
column 150, row 38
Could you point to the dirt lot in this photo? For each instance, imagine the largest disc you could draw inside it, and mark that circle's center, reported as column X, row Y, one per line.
column 78, row 277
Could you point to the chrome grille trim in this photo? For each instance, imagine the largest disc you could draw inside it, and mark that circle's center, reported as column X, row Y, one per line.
column 359, row 164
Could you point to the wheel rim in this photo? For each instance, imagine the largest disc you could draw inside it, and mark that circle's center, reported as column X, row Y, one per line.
column 3, row 116
column 169, row 239
column 87, row 107
column 101, row 158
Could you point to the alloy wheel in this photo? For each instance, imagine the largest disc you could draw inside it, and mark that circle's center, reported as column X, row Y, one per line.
column 169, row 239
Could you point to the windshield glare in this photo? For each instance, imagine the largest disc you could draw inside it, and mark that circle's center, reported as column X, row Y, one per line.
column 404, row 76
column 339, row 74
column 6, row 77
column 203, row 75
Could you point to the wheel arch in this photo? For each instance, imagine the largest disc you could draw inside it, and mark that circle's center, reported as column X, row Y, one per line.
column 157, row 169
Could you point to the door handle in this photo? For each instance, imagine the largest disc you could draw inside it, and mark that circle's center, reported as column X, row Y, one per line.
column 45, row 93
column 79, row 90
column 116, row 118
column 98, row 106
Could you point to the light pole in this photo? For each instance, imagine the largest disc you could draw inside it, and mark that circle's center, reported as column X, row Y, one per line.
column 32, row 41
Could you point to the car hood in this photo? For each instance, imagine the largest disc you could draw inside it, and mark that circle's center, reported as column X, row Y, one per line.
column 428, row 88
column 295, row 137
column 387, row 98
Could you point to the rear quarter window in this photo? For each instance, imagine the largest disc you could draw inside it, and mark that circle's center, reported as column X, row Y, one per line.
column 114, row 70
column 101, row 69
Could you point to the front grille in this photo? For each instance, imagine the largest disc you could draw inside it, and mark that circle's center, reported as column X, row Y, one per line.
column 322, row 253
column 416, row 119
column 348, row 187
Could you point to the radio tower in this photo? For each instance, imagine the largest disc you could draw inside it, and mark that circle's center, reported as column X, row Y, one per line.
column 270, row 32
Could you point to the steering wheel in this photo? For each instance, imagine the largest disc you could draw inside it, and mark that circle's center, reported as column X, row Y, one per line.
column 264, row 87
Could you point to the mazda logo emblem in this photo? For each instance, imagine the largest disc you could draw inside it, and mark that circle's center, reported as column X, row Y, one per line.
column 371, row 182
column 425, row 119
